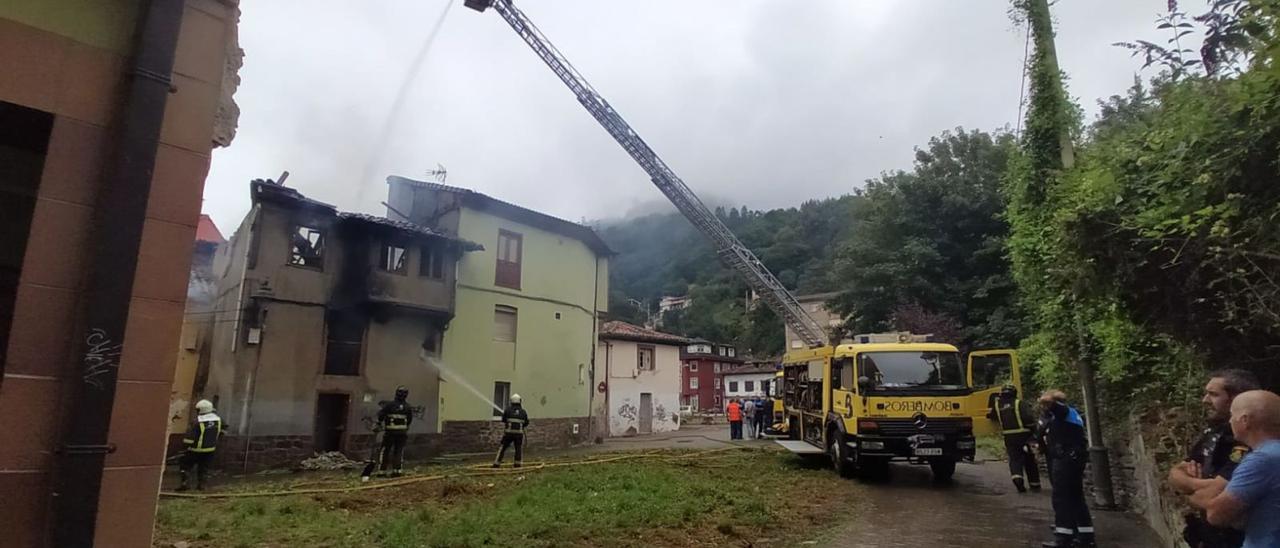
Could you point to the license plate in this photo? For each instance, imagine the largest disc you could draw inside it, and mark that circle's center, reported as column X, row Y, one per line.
column 928, row 451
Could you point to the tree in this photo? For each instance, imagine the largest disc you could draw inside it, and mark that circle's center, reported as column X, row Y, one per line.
column 931, row 240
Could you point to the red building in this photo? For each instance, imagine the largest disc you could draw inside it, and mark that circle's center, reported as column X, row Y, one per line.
column 703, row 364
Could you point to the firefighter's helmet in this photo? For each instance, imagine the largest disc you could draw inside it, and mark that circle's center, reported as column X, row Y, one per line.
column 402, row 392
column 515, row 399
column 204, row 406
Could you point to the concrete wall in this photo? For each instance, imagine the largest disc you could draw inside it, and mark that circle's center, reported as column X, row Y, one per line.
column 68, row 58
column 626, row 383
column 550, row 362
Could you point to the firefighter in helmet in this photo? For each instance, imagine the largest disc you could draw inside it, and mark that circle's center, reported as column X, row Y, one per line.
column 1016, row 420
column 201, row 441
column 395, row 417
column 515, row 421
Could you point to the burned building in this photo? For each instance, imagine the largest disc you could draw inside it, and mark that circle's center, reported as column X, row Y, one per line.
column 320, row 315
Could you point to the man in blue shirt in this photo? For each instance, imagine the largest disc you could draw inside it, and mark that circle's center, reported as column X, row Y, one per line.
column 1252, row 497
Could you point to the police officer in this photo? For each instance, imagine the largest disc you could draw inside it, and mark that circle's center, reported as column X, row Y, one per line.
column 516, row 421
column 1215, row 453
column 1068, row 449
column 1015, row 417
column 395, row 418
column 201, row 442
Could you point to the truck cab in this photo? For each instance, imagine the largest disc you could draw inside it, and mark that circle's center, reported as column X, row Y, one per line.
column 867, row 404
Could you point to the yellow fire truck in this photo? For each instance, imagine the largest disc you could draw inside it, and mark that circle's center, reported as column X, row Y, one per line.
column 866, row 404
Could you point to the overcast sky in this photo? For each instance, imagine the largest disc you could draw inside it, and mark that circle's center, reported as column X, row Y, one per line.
column 752, row 102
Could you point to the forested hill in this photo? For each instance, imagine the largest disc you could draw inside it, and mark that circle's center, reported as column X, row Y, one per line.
column 919, row 250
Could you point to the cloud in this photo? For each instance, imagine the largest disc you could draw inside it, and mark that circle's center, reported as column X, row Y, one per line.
column 754, row 102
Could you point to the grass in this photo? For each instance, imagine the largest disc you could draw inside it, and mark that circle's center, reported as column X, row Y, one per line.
column 759, row 496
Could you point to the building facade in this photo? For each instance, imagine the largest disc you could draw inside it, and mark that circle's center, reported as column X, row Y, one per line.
column 108, row 115
column 642, row 378
column 527, row 310
column 702, row 375
column 748, row 380
column 816, row 306
column 321, row 315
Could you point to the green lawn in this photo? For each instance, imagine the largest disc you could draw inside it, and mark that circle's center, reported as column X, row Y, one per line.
column 723, row 499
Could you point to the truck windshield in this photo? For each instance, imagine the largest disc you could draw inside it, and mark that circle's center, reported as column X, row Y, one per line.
column 912, row 370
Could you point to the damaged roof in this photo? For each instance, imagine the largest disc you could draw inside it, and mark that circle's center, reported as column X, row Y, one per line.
column 404, row 226
column 624, row 331
column 268, row 191
column 507, row 210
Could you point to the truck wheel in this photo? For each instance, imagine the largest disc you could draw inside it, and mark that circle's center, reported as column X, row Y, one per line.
column 943, row 469
column 839, row 454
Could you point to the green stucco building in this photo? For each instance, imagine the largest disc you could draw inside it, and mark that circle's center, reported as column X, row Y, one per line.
column 526, row 315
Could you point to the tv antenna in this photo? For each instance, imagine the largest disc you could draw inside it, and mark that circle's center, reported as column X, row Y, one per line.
column 440, row 173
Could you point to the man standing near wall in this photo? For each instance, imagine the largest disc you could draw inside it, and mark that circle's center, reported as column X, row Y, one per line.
column 1252, row 497
column 201, row 442
column 1068, row 451
column 1215, row 454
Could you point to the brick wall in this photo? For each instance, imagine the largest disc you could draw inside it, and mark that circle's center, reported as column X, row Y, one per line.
column 478, row 436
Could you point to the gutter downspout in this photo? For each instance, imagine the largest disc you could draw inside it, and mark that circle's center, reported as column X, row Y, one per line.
column 595, row 345
column 120, row 212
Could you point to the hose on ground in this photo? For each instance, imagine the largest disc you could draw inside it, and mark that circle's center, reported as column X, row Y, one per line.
column 476, row 472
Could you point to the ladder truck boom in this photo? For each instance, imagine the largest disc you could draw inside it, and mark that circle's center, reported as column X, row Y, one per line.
column 728, row 248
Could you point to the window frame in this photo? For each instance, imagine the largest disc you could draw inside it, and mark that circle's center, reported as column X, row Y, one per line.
column 431, row 261
column 302, row 261
column 641, row 350
column 385, row 256
column 515, row 322
column 733, row 387
column 693, row 383
column 503, row 399
column 507, row 273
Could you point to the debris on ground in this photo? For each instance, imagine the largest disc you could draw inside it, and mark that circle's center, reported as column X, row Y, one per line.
column 332, row 460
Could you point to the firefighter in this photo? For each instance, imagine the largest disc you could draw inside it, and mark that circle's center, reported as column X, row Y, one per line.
column 1067, row 446
column 395, row 418
column 201, row 442
column 1015, row 417
column 516, row 421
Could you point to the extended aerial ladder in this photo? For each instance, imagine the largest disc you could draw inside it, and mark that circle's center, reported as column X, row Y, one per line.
column 730, row 250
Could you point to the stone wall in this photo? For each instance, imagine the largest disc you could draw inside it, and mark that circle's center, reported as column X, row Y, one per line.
column 266, row 452
column 1139, row 466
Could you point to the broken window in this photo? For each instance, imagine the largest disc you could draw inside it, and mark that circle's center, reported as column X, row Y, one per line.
column 393, row 258
column 644, row 360
column 504, row 323
column 510, row 252
column 431, row 262
column 306, row 246
column 501, row 396
column 345, row 342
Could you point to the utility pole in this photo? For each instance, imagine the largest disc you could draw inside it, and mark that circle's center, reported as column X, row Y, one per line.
column 1047, row 78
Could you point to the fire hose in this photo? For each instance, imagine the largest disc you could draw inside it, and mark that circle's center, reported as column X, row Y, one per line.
column 475, row 471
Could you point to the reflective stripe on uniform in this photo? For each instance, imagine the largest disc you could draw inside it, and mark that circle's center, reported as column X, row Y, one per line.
column 1063, row 531
column 1084, row 529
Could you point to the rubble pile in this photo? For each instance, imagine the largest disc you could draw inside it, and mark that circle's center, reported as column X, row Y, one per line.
column 331, row 460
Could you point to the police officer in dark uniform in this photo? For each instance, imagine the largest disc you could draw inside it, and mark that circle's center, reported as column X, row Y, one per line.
column 516, row 421
column 1016, row 419
column 395, row 418
column 1215, row 453
column 1067, row 446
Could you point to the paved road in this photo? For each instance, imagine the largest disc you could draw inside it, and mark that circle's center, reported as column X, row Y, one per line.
column 979, row 509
